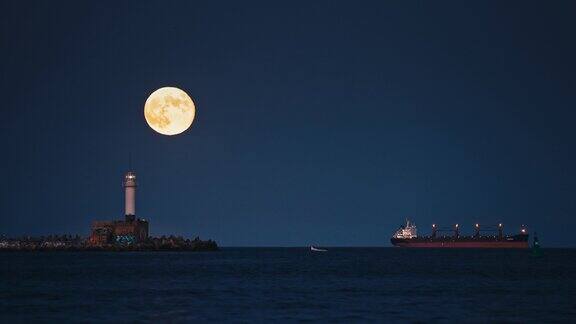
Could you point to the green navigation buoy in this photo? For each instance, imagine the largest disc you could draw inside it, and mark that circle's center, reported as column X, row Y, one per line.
column 536, row 245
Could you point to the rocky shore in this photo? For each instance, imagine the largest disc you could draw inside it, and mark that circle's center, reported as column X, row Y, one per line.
column 76, row 243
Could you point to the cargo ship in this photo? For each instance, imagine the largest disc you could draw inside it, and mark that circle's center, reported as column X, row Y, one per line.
column 407, row 236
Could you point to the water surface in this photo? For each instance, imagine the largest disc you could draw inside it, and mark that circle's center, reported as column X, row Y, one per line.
column 290, row 284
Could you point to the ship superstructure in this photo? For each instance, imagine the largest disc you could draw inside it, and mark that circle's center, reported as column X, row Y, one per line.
column 406, row 232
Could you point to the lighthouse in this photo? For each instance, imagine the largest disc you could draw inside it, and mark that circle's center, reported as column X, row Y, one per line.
column 131, row 230
column 130, row 196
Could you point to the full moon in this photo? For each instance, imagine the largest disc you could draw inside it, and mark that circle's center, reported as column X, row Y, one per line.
column 169, row 111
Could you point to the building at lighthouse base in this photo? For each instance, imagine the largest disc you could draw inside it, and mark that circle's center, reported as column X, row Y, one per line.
column 129, row 231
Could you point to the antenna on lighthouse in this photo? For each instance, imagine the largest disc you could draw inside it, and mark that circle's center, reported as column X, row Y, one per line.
column 129, row 161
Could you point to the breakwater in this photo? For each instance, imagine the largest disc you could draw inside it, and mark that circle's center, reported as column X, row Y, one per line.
column 77, row 243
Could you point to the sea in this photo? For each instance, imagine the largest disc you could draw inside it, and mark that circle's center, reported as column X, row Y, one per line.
column 349, row 285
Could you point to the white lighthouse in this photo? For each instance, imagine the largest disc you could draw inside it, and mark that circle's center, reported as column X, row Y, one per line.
column 130, row 195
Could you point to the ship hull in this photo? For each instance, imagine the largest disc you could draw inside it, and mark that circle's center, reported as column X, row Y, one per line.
column 514, row 242
column 464, row 245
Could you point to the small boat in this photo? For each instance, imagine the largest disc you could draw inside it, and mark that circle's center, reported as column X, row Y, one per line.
column 316, row 249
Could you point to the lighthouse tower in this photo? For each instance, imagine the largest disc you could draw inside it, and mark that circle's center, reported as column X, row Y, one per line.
column 130, row 196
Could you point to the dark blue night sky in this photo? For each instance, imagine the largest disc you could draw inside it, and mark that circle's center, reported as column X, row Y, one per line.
column 318, row 122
